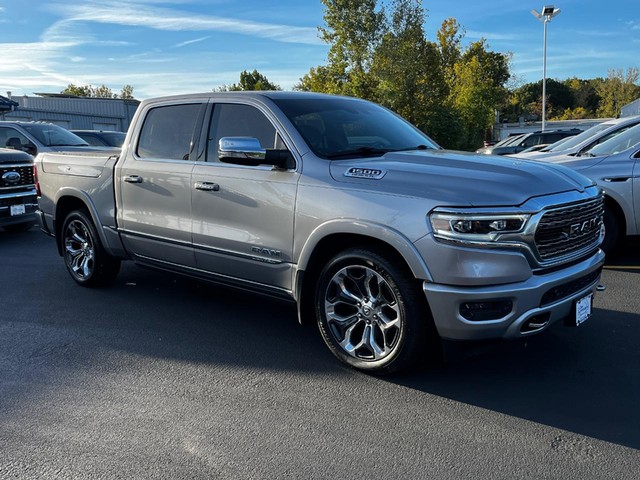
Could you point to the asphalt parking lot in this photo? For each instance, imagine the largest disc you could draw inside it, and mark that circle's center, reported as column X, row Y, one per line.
column 162, row 377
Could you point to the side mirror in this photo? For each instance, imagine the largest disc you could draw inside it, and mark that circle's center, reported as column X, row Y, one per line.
column 248, row 151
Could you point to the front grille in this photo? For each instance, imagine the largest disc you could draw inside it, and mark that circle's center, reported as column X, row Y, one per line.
column 570, row 229
column 26, row 176
column 563, row 291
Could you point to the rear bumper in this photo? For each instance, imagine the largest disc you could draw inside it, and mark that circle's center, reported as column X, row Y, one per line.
column 541, row 299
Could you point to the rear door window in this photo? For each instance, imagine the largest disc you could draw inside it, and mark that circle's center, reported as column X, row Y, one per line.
column 168, row 132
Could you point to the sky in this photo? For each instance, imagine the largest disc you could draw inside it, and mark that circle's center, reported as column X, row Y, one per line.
column 164, row 47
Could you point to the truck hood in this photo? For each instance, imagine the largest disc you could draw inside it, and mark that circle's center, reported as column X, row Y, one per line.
column 8, row 155
column 457, row 178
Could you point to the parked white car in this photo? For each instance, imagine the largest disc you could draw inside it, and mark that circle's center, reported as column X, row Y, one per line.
column 584, row 141
column 615, row 166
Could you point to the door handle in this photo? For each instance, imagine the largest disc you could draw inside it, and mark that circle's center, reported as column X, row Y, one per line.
column 207, row 186
column 132, row 179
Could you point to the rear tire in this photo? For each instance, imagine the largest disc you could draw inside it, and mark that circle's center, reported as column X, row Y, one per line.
column 372, row 313
column 84, row 256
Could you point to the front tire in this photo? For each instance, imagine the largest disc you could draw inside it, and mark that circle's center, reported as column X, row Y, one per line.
column 612, row 232
column 371, row 312
column 84, row 256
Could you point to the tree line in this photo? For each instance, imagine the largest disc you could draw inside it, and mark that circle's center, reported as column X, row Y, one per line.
column 97, row 92
column 575, row 98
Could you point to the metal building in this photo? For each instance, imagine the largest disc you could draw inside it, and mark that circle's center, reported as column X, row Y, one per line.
column 71, row 112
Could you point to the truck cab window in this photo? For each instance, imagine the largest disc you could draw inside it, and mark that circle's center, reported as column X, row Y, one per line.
column 168, row 132
column 234, row 120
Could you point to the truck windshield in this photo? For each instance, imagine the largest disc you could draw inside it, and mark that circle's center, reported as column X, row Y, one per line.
column 340, row 128
column 53, row 135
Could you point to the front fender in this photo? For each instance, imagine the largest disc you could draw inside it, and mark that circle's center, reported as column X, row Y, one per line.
column 373, row 230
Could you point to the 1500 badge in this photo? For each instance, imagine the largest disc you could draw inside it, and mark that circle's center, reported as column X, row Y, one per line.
column 365, row 173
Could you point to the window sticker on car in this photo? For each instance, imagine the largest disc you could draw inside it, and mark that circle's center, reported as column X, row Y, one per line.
column 365, row 173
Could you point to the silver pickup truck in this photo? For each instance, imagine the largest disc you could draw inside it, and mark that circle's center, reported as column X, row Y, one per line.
column 384, row 239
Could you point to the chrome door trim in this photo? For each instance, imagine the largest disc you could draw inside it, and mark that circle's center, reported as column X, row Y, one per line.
column 229, row 253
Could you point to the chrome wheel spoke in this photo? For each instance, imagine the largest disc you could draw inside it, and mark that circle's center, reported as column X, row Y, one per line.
column 347, row 343
column 371, row 343
column 362, row 313
column 79, row 249
column 344, row 291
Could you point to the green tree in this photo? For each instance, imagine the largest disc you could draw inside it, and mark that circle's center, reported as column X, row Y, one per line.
column 477, row 90
column 126, row 92
column 406, row 69
column 382, row 53
column 78, row 90
column 617, row 90
column 103, row 92
column 354, row 29
column 584, row 94
column 97, row 92
column 450, row 37
column 250, row 81
column 528, row 99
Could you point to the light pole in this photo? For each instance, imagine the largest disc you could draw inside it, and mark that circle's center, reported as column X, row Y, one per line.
column 548, row 12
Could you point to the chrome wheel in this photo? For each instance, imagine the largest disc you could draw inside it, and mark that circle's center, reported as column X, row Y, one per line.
column 79, row 251
column 363, row 313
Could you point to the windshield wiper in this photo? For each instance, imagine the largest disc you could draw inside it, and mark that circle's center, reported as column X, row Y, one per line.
column 362, row 151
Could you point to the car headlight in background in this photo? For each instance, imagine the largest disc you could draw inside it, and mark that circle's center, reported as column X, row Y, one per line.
column 475, row 228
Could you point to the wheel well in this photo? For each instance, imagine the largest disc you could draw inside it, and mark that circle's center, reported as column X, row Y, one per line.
column 326, row 249
column 617, row 211
column 64, row 206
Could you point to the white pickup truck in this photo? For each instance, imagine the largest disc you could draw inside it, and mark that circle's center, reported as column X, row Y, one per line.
column 386, row 241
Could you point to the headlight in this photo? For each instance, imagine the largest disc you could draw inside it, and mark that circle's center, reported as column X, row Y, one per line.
column 476, row 228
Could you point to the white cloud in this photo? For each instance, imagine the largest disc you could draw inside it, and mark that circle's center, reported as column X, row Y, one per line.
column 491, row 36
column 189, row 42
column 119, row 13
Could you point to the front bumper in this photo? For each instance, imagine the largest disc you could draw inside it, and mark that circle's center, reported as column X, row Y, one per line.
column 27, row 199
column 550, row 297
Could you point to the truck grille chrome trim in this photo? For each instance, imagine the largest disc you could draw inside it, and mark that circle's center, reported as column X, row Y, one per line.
column 570, row 230
column 25, row 173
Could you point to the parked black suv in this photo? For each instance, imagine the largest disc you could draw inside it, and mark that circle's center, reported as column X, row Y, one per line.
column 529, row 140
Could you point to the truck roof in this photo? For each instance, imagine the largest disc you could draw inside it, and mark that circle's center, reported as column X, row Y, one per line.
column 271, row 94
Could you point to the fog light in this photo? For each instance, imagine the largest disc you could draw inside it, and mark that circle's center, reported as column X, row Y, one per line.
column 483, row 311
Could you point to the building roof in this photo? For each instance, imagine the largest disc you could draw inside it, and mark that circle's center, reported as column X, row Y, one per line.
column 7, row 104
